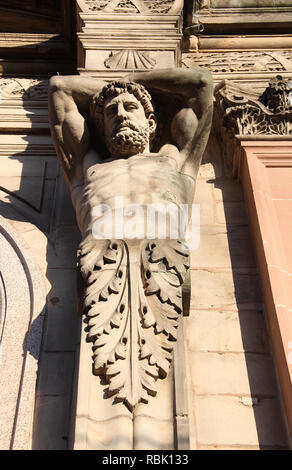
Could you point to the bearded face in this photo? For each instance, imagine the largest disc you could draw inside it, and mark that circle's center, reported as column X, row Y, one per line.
column 129, row 139
column 127, row 130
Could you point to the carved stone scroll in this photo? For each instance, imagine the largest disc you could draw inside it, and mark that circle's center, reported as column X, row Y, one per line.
column 249, row 114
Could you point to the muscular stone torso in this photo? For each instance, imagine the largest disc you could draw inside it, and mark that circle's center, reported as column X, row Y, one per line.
column 142, row 179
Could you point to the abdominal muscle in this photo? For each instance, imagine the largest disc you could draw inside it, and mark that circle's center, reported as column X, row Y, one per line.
column 138, row 179
column 142, row 179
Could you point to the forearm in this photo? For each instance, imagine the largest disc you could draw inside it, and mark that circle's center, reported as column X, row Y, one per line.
column 186, row 82
column 79, row 88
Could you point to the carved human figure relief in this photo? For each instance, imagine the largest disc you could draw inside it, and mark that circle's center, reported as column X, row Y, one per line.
column 124, row 155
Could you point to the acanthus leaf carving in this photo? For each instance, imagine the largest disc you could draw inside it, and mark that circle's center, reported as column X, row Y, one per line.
column 132, row 301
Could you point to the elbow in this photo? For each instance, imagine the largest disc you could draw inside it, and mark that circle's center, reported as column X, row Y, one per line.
column 206, row 79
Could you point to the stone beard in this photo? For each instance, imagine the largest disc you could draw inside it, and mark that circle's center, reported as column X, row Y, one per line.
column 129, row 139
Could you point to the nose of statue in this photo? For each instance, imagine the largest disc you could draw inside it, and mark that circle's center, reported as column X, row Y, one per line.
column 121, row 112
column 120, row 118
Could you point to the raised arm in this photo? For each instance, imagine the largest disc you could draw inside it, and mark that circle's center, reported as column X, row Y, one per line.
column 192, row 123
column 69, row 99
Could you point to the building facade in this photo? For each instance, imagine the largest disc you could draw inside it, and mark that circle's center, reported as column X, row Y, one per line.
column 231, row 379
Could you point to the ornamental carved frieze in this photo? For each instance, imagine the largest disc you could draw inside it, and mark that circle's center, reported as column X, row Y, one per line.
column 145, row 7
column 247, row 114
column 240, row 62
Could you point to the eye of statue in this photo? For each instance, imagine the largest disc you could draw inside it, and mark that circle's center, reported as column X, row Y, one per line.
column 130, row 106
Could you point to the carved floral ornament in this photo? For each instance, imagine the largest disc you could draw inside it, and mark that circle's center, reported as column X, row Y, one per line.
column 144, row 7
column 132, row 329
column 246, row 113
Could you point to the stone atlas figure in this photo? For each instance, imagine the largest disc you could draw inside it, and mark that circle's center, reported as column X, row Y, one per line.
column 113, row 142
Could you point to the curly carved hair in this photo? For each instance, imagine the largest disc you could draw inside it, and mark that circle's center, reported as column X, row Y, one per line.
column 114, row 89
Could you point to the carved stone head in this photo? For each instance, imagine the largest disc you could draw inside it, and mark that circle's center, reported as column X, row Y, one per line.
column 123, row 114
